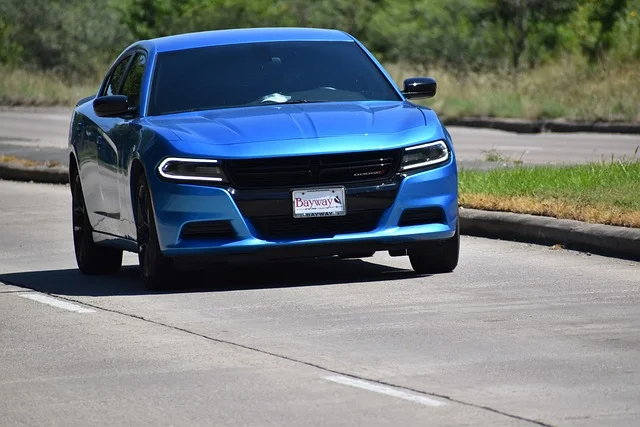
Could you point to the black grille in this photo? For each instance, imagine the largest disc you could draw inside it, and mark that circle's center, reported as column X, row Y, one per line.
column 287, row 227
column 421, row 216
column 208, row 230
column 309, row 170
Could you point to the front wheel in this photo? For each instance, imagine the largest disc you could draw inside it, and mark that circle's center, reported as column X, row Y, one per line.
column 90, row 257
column 156, row 269
column 436, row 257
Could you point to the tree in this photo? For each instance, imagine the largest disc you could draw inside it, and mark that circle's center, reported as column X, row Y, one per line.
column 600, row 17
column 72, row 37
column 147, row 19
column 522, row 20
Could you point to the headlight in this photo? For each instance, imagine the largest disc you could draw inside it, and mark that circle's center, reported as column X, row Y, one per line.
column 424, row 155
column 180, row 169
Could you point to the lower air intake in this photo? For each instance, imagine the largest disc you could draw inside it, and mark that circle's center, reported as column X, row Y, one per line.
column 209, row 230
column 287, row 227
column 422, row 216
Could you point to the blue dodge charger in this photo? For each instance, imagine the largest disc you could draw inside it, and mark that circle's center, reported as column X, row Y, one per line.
column 258, row 143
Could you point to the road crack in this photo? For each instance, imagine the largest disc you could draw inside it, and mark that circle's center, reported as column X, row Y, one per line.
column 309, row 364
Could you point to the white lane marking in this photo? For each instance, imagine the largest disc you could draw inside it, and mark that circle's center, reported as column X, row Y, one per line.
column 383, row 389
column 57, row 303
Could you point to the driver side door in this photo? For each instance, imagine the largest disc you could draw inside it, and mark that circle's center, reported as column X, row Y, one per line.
column 116, row 137
column 99, row 203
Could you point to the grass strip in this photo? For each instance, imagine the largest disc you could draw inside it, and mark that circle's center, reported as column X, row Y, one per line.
column 605, row 193
column 27, row 163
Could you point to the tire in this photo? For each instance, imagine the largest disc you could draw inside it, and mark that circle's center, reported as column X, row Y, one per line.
column 157, row 270
column 91, row 258
column 436, row 257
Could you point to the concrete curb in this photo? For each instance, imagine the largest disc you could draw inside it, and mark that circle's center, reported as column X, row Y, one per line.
column 620, row 242
column 538, row 126
column 42, row 174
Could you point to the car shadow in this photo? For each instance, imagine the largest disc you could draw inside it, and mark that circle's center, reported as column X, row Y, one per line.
column 228, row 277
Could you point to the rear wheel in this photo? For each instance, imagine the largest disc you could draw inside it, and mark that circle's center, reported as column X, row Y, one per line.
column 91, row 258
column 436, row 257
column 156, row 269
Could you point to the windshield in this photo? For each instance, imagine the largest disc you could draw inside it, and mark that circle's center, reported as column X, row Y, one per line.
column 265, row 74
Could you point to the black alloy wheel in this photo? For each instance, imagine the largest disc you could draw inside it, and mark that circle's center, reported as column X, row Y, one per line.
column 90, row 257
column 157, row 270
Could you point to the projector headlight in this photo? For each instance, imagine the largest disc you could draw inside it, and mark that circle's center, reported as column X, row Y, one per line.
column 180, row 169
column 424, row 155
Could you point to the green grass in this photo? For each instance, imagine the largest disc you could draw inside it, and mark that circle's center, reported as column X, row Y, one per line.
column 606, row 192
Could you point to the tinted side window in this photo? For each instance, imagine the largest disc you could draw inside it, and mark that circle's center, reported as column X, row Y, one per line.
column 116, row 77
column 133, row 82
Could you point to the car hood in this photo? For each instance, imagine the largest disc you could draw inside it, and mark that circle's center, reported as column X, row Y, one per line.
column 292, row 122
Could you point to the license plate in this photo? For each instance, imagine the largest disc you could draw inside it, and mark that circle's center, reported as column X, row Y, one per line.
column 319, row 202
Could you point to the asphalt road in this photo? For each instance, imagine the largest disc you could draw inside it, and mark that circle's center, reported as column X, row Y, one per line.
column 35, row 135
column 42, row 135
column 518, row 335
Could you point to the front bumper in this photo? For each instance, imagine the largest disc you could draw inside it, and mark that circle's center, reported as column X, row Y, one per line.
column 178, row 205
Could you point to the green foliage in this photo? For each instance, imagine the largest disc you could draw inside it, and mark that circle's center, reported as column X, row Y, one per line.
column 529, row 25
column 592, row 26
column 446, row 32
column 80, row 37
column 73, row 37
column 625, row 36
column 146, row 19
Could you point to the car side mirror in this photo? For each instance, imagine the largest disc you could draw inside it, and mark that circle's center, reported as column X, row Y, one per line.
column 419, row 87
column 113, row 106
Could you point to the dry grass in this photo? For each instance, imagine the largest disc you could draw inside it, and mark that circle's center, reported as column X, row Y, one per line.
column 566, row 89
column 554, row 208
column 34, row 88
column 27, row 162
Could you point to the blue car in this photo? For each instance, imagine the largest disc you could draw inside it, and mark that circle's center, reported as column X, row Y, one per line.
column 258, row 144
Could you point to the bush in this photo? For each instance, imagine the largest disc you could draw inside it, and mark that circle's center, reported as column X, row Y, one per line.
column 79, row 37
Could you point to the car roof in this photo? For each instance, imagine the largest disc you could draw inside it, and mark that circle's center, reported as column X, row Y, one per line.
column 244, row 35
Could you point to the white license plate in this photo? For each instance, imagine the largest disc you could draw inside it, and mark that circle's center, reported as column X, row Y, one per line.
column 319, row 202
